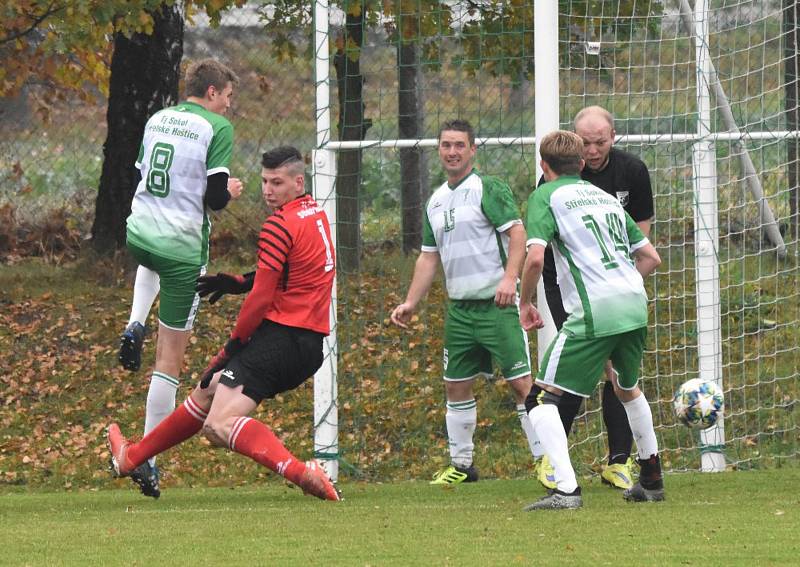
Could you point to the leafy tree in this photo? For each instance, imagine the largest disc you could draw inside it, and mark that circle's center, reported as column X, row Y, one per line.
column 64, row 46
column 145, row 71
column 67, row 43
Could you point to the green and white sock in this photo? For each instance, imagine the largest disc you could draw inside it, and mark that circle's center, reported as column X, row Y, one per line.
column 160, row 401
column 461, row 419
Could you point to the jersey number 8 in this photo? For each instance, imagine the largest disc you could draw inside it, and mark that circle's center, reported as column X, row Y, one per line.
column 158, row 173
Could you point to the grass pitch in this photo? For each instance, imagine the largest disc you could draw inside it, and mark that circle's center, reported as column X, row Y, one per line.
column 739, row 518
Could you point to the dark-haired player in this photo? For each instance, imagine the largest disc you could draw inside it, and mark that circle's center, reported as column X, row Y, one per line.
column 472, row 227
column 275, row 345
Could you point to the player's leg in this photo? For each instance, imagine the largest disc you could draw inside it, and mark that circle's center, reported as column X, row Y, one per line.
column 565, row 367
column 620, row 439
column 464, row 360
column 627, row 358
column 570, row 404
column 176, row 312
column 275, row 360
column 568, row 407
column 128, row 458
column 546, row 423
column 145, row 290
column 508, row 344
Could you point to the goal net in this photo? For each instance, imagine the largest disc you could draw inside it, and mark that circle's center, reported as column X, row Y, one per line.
column 705, row 94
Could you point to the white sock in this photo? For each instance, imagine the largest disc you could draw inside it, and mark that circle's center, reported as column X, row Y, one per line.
column 145, row 290
column 640, row 418
column 461, row 419
column 550, row 431
column 533, row 442
column 160, row 401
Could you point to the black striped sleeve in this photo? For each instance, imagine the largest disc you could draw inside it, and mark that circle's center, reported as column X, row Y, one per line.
column 274, row 243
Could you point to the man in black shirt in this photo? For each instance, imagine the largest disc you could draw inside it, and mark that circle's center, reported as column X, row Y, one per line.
column 624, row 176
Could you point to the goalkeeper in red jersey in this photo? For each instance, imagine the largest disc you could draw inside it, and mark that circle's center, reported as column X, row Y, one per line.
column 275, row 345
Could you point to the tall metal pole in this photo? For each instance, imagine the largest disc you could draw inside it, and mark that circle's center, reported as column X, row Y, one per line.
column 546, row 115
column 326, row 414
column 706, row 242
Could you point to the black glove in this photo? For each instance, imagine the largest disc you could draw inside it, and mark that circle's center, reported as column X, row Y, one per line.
column 220, row 360
column 224, row 283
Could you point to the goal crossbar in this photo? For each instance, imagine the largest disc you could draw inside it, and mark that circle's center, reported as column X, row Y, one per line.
column 531, row 140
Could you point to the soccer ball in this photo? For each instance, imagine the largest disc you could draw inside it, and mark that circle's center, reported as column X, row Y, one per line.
column 698, row 403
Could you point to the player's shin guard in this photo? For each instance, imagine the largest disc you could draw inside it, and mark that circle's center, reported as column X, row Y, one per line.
column 620, row 437
column 251, row 438
column 461, row 419
column 181, row 424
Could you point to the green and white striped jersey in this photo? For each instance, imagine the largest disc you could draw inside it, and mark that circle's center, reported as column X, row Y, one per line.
column 593, row 238
column 182, row 146
column 466, row 225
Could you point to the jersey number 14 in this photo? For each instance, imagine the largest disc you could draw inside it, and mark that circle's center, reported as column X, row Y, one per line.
column 615, row 235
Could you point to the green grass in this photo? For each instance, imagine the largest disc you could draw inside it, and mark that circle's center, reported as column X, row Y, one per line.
column 730, row 519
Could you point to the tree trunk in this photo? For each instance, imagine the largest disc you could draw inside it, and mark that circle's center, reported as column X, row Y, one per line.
column 145, row 70
column 414, row 184
column 791, row 70
column 352, row 126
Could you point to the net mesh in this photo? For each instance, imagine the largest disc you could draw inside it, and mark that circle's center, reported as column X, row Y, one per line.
column 638, row 61
column 475, row 61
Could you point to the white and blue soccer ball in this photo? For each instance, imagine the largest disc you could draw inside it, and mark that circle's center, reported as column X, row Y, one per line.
column 698, row 403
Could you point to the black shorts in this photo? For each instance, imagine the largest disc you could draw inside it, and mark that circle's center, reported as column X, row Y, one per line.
column 556, row 305
column 276, row 359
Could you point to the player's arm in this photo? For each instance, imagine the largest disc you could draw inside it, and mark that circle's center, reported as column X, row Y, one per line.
column 506, row 293
column 641, row 206
column 424, row 274
column 256, row 304
column 217, row 162
column 218, row 285
column 644, row 253
column 541, row 228
column 217, row 194
column 497, row 203
column 529, row 316
column 250, row 316
column 646, row 258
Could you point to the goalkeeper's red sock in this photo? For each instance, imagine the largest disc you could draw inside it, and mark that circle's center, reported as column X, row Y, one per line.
column 177, row 427
column 253, row 439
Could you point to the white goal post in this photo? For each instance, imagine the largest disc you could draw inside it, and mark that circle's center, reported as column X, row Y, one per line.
column 709, row 96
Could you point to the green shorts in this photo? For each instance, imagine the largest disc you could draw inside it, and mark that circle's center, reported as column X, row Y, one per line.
column 574, row 364
column 179, row 301
column 476, row 332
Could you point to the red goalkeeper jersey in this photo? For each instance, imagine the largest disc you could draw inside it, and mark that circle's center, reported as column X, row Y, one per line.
column 296, row 242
